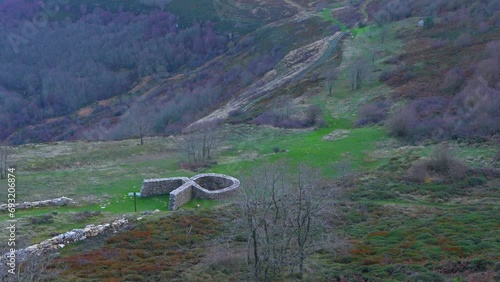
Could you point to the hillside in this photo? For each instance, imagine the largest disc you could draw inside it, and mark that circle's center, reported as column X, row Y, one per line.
column 365, row 135
column 134, row 59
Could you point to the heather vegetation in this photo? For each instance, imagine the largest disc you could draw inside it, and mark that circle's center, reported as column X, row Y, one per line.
column 377, row 161
column 465, row 105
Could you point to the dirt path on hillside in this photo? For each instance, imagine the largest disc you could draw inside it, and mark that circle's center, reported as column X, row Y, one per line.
column 364, row 10
column 296, row 5
column 295, row 64
column 272, row 81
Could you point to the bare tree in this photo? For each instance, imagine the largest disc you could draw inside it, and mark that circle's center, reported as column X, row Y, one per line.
column 359, row 72
column 262, row 208
column 140, row 120
column 201, row 140
column 308, row 201
column 331, row 78
column 343, row 168
column 5, row 152
column 38, row 266
column 373, row 55
column 281, row 215
column 382, row 18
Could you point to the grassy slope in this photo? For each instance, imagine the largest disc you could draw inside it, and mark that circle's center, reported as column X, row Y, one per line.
column 395, row 228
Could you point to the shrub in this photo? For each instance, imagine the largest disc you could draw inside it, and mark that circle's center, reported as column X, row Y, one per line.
column 457, row 170
column 439, row 43
column 85, row 215
column 477, row 107
column 418, row 171
column 463, row 40
column 428, row 22
column 196, row 166
column 394, row 60
column 474, row 181
column 441, row 162
column 285, row 117
column 42, row 219
column 373, row 113
column 400, row 76
column 489, row 69
column 385, row 75
column 402, row 122
column 453, row 80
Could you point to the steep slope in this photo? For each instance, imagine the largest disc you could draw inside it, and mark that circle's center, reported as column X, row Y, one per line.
column 251, row 40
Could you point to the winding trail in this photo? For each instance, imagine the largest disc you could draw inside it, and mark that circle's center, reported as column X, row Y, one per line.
column 332, row 45
column 296, row 5
column 265, row 86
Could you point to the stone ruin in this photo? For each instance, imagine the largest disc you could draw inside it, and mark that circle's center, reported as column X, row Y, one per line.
column 61, row 240
column 62, row 201
column 182, row 189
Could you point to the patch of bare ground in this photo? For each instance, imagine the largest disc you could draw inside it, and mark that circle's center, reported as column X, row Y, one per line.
column 337, row 135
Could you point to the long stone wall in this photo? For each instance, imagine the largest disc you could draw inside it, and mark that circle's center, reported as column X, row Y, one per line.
column 162, row 186
column 62, row 201
column 60, row 241
column 182, row 189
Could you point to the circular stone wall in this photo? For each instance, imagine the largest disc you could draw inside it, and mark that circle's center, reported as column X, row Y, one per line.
column 214, row 186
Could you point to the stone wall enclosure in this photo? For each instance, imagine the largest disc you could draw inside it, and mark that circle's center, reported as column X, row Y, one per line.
column 183, row 189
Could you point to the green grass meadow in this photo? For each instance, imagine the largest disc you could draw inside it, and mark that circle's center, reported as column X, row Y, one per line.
column 392, row 226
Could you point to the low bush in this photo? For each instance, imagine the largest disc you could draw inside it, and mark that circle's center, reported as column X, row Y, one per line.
column 196, row 166
column 399, row 76
column 418, row 171
column 441, row 163
column 85, row 215
column 453, row 80
column 402, row 122
column 385, row 75
column 428, row 22
column 373, row 113
column 439, row 43
column 463, row 40
column 289, row 117
column 42, row 219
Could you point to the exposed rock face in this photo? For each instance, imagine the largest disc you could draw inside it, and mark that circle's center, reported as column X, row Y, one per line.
column 62, row 240
column 183, row 189
column 62, row 201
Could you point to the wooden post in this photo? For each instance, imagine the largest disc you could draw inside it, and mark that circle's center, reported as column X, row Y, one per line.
column 135, row 202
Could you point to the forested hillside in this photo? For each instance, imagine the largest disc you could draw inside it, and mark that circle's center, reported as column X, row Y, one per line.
column 68, row 65
column 364, row 134
column 88, row 70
